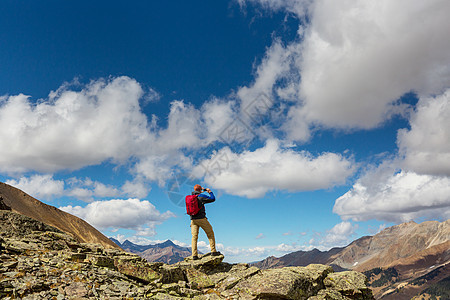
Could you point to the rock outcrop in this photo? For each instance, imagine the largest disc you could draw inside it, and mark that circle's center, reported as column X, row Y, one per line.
column 39, row 261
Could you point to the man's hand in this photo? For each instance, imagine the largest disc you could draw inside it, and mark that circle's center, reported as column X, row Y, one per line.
column 208, row 190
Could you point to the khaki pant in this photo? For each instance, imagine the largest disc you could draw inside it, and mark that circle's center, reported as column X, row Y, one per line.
column 204, row 224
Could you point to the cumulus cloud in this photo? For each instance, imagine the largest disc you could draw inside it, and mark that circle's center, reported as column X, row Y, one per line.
column 339, row 235
column 136, row 188
column 426, row 146
column 274, row 65
column 272, row 167
column 135, row 214
column 360, row 57
column 39, row 186
column 189, row 129
column 71, row 129
column 395, row 197
column 355, row 59
column 416, row 184
column 288, row 248
column 45, row 187
column 103, row 122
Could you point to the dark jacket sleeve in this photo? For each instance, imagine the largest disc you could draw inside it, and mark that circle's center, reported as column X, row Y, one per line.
column 207, row 199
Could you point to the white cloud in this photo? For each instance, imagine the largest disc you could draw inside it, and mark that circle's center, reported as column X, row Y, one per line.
column 135, row 188
column 80, row 193
column 182, row 130
column 39, row 186
column 103, row 190
column 420, row 187
column 357, row 58
column 103, row 122
column 395, row 197
column 188, row 129
column 288, row 248
column 87, row 190
column 252, row 174
column 274, row 65
column 135, row 214
column 360, row 57
column 216, row 115
column 426, row 146
column 70, row 129
column 339, row 235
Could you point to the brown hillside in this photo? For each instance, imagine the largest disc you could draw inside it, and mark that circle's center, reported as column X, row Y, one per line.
column 425, row 259
column 392, row 244
column 24, row 204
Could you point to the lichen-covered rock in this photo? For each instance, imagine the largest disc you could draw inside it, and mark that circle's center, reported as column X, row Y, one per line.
column 101, row 261
column 171, row 273
column 328, row 295
column 136, row 267
column 198, row 279
column 285, row 283
column 205, row 262
column 350, row 284
column 232, row 277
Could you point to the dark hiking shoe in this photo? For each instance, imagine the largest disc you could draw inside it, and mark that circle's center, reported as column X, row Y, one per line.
column 195, row 257
column 217, row 253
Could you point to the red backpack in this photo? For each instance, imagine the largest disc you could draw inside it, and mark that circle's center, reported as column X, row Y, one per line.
column 192, row 205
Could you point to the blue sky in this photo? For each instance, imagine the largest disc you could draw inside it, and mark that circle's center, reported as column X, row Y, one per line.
column 314, row 122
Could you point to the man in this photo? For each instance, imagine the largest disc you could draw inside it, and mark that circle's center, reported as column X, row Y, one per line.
column 200, row 220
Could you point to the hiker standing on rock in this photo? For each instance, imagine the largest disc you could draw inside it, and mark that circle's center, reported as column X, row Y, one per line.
column 195, row 207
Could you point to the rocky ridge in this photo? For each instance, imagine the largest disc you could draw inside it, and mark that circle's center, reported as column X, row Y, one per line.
column 39, row 261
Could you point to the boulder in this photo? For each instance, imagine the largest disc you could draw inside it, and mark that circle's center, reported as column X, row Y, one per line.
column 227, row 280
column 137, row 268
column 350, row 284
column 285, row 283
column 205, row 262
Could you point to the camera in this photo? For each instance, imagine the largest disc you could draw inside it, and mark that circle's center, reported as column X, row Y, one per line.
column 203, row 190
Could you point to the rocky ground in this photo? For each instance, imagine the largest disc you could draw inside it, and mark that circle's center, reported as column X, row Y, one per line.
column 41, row 262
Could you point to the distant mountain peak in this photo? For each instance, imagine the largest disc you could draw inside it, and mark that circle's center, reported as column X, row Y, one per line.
column 168, row 243
column 167, row 252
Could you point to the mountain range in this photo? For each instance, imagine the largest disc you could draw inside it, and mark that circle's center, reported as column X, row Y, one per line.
column 401, row 261
column 166, row 252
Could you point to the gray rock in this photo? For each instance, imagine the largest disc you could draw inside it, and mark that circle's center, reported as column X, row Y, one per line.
column 285, row 283
column 349, row 283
